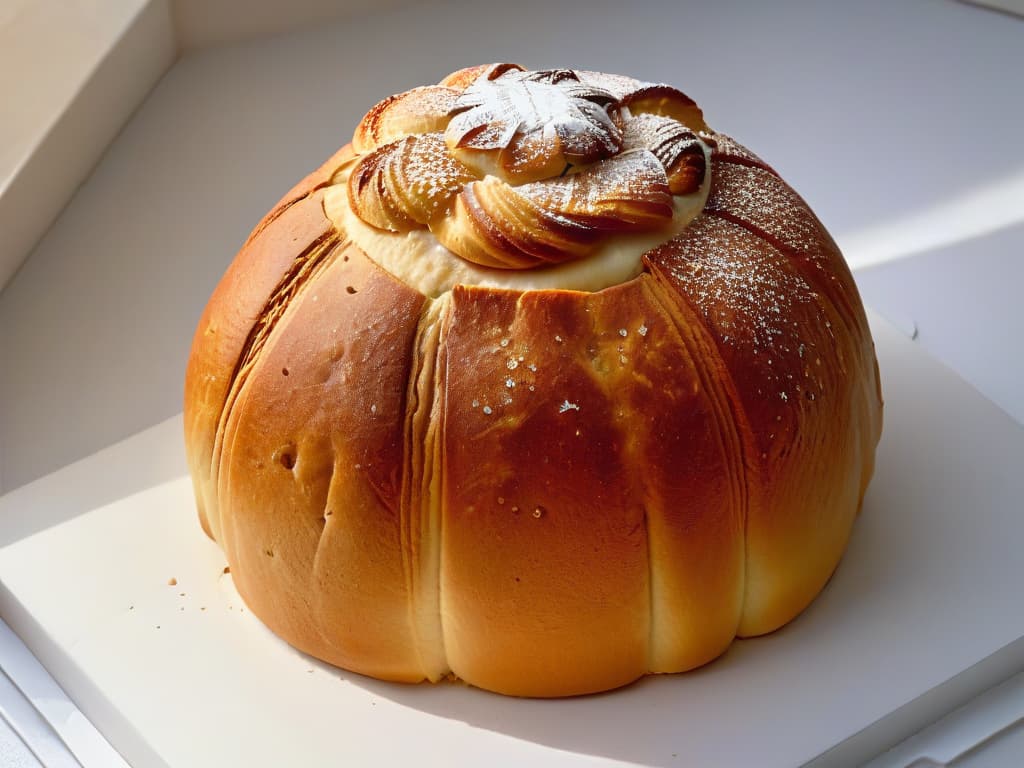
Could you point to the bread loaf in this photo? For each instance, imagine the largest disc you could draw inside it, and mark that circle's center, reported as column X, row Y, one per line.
column 540, row 383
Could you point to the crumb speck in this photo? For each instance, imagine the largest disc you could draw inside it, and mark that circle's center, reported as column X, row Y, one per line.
column 487, row 410
column 373, row 408
column 567, row 406
column 538, row 512
column 512, row 364
column 227, row 569
column 504, row 342
column 558, row 338
column 623, row 332
column 783, row 396
column 476, row 403
column 642, row 330
column 172, row 581
column 509, row 383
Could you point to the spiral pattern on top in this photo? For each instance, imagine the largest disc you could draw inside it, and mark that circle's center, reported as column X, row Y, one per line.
column 516, row 169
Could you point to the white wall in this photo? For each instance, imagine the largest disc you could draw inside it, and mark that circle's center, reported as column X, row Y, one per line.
column 71, row 72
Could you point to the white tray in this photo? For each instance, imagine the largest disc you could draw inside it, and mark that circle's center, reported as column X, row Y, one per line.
column 924, row 611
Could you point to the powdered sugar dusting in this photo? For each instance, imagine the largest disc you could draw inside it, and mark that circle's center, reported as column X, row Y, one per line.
column 742, row 293
column 530, row 170
column 676, row 147
column 727, row 148
column 420, row 110
column 404, row 184
column 764, row 204
column 618, row 85
column 631, row 188
column 491, row 113
column 760, row 199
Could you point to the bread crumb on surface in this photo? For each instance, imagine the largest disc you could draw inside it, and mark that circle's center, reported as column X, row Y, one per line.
column 172, row 582
column 227, row 569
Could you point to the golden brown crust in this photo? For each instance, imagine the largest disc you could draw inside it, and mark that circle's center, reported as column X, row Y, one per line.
column 407, row 183
column 544, row 492
column 676, row 147
column 313, row 470
column 650, row 98
column 232, row 313
column 794, row 385
column 289, row 229
column 463, row 78
column 421, row 110
column 620, row 550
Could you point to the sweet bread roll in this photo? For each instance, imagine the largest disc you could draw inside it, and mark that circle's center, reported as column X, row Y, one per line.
column 541, row 384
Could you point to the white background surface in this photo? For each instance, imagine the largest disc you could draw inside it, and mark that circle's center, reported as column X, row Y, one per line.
column 963, row 303
column 898, row 122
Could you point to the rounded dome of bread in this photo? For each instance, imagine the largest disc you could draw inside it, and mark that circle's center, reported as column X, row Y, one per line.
column 540, row 383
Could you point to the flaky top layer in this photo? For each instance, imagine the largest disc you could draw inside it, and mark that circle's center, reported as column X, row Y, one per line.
column 512, row 170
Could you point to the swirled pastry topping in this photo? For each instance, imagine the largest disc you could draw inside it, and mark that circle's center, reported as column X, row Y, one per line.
column 511, row 170
column 525, row 126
